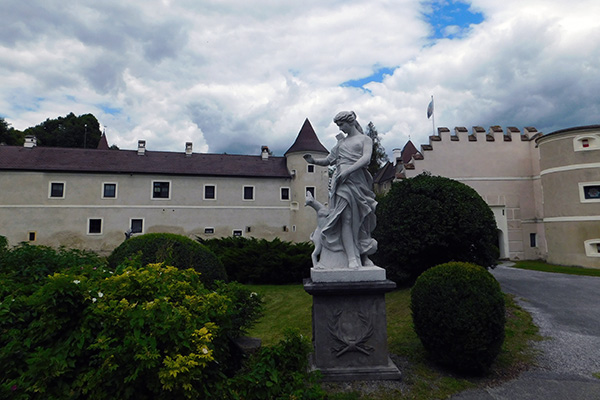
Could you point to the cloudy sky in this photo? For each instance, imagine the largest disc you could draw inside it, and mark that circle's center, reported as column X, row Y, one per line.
column 232, row 75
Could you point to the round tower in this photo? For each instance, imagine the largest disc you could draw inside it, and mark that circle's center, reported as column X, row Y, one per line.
column 306, row 177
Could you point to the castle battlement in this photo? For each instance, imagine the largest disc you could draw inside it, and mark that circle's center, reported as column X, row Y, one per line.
column 495, row 141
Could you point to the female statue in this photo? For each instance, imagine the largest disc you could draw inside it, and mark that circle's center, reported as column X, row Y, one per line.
column 345, row 235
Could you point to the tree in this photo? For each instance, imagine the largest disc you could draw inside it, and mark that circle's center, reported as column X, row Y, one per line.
column 430, row 220
column 378, row 156
column 10, row 136
column 68, row 131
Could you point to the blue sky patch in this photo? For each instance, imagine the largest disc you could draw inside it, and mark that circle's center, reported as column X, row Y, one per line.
column 377, row 76
column 450, row 18
column 109, row 110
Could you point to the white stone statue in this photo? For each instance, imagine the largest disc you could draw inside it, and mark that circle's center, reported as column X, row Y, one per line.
column 343, row 236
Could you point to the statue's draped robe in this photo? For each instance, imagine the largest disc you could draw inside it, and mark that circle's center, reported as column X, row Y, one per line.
column 356, row 194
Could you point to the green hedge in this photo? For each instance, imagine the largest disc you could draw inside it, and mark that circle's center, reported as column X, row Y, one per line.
column 429, row 220
column 175, row 250
column 459, row 316
column 259, row 261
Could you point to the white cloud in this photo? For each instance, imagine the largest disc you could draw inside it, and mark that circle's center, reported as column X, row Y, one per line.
column 233, row 75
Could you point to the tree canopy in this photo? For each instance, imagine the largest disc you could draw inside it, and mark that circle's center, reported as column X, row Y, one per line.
column 378, row 156
column 69, row 131
column 9, row 135
column 430, row 220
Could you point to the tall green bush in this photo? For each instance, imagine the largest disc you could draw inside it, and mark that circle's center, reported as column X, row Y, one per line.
column 152, row 332
column 429, row 220
column 176, row 250
column 459, row 315
column 259, row 261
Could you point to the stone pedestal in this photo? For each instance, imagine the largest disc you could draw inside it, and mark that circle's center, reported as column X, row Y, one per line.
column 350, row 330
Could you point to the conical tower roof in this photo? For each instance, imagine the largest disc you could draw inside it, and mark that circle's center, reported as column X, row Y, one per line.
column 307, row 141
column 103, row 143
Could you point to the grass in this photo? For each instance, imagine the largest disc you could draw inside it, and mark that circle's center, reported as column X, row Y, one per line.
column 544, row 267
column 289, row 307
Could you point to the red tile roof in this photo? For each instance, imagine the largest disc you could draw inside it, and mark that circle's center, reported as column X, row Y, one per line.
column 408, row 151
column 307, row 141
column 128, row 161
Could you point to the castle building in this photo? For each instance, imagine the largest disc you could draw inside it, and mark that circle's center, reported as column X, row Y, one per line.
column 92, row 198
column 544, row 190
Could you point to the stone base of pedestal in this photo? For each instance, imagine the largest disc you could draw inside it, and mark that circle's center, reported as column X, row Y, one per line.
column 350, row 330
column 374, row 373
column 363, row 274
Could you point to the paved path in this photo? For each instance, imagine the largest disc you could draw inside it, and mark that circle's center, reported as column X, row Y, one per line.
column 566, row 308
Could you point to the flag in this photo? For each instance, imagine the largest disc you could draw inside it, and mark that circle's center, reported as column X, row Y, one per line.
column 430, row 108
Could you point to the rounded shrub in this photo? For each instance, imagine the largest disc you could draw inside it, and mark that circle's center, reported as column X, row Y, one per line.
column 430, row 220
column 458, row 313
column 174, row 250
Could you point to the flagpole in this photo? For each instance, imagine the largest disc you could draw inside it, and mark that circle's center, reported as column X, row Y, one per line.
column 433, row 116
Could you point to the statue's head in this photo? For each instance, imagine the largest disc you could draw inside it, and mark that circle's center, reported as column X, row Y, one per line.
column 348, row 117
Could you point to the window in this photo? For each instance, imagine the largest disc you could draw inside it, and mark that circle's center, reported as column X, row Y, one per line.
column 589, row 192
column 57, row 190
column 161, row 190
column 592, row 247
column 109, row 191
column 285, row 193
column 248, row 193
column 311, row 189
column 94, row 226
column 209, row 231
column 532, row 240
column 310, row 169
column 210, row 192
column 137, row 225
column 237, row 232
column 586, row 142
column 31, row 236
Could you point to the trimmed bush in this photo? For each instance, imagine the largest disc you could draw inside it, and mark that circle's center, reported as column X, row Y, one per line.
column 175, row 250
column 260, row 261
column 458, row 313
column 430, row 220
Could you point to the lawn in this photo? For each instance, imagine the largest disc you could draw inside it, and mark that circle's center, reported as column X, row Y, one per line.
column 544, row 267
column 289, row 306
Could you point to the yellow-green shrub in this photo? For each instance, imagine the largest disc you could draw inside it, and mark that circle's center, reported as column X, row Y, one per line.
column 151, row 332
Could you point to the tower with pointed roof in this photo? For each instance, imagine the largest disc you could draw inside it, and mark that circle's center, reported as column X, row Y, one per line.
column 306, row 177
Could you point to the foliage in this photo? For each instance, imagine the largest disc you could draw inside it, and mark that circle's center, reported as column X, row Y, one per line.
column 69, row 131
column 176, row 250
column 429, row 220
column 378, row 156
column 151, row 332
column 279, row 372
column 9, row 135
column 459, row 315
column 261, row 261
column 24, row 267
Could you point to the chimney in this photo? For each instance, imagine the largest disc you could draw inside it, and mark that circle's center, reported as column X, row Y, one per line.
column 264, row 152
column 397, row 155
column 141, row 147
column 30, row 142
column 188, row 149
